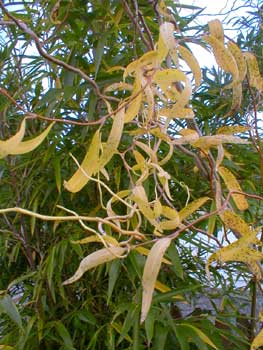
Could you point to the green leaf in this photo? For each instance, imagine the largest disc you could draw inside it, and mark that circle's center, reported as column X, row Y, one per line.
column 8, row 307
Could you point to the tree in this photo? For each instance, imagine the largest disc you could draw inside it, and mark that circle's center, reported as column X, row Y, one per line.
column 131, row 179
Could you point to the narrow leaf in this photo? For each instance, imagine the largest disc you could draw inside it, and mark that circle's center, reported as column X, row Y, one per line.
column 94, row 259
column 233, row 185
column 150, row 273
column 8, row 307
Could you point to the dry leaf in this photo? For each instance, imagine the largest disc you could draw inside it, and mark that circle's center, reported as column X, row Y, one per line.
column 94, row 259
column 150, row 273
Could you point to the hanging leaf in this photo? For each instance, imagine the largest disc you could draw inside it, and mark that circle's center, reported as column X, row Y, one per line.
column 233, row 185
column 216, row 29
column 150, row 273
column 135, row 101
column 15, row 145
column 139, row 196
column 240, row 251
column 223, row 56
column 257, row 341
column 239, row 58
column 167, row 36
column 89, row 165
column 192, row 62
column 236, row 223
column 95, row 259
column 255, row 79
column 93, row 162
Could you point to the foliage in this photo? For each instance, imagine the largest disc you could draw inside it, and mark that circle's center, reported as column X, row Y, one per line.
column 131, row 179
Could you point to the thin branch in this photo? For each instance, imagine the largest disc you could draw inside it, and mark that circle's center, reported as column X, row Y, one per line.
column 22, row 25
column 135, row 23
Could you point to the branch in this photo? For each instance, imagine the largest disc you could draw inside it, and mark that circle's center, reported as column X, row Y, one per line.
column 22, row 25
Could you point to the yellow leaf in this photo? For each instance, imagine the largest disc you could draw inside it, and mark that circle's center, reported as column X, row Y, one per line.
column 232, row 129
column 255, row 79
column 113, row 141
column 171, row 214
column 135, row 101
column 176, row 112
column 146, row 252
column 14, row 145
column 157, row 209
column 150, row 273
column 205, row 142
column 95, row 238
column 236, row 223
column 139, row 196
column 89, row 165
column 239, row 58
column 216, row 29
column 118, row 86
column 223, row 56
column 257, row 341
column 93, row 163
column 94, row 259
column 193, row 64
column 201, row 335
column 233, row 185
column 192, row 207
column 167, row 35
column 242, row 252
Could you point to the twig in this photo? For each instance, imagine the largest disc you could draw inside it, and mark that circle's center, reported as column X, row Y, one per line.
column 22, row 25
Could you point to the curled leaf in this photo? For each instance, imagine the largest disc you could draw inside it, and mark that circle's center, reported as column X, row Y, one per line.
column 95, row 259
column 15, row 145
column 93, row 162
column 216, row 29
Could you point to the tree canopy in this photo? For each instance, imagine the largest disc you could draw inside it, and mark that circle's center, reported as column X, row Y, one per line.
column 131, row 177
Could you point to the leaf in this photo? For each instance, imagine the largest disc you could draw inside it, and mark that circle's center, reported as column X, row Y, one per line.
column 200, row 334
column 255, row 79
column 205, row 142
column 236, row 223
column 239, row 58
column 176, row 112
column 216, row 29
column 192, row 62
column 64, row 334
column 95, row 259
column 135, row 101
column 223, row 56
column 167, row 37
column 145, row 251
column 95, row 238
column 150, row 273
column 93, row 163
column 233, row 185
column 8, row 307
column 232, row 129
column 139, row 196
column 192, row 207
column 241, row 251
column 15, row 145
column 257, row 341
column 89, row 165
